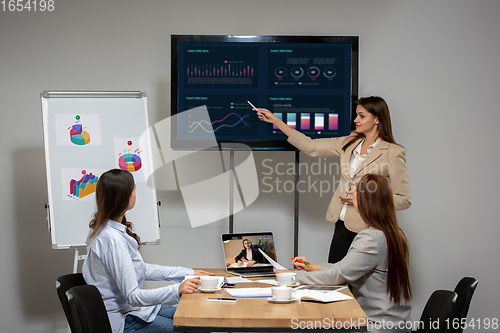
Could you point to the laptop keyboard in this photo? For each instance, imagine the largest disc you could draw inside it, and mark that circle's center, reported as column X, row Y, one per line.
column 254, row 270
column 263, row 273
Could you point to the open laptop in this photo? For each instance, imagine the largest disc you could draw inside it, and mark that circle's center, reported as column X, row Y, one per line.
column 242, row 255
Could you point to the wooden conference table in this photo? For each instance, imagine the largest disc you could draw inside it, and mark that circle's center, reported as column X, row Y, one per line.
column 194, row 313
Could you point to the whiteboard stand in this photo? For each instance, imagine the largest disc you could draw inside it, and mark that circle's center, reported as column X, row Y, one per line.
column 48, row 215
column 78, row 257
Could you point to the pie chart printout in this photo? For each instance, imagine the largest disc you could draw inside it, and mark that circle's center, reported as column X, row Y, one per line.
column 78, row 136
column 130, row 161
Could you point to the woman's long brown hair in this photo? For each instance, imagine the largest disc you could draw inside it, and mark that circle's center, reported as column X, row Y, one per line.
column 113, row 192
column 376, row 208
column 379, row 108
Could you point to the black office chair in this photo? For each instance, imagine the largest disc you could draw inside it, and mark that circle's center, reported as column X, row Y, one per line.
column 464, row 289
column 63, row 284
column 440, row 306
column 88, row 310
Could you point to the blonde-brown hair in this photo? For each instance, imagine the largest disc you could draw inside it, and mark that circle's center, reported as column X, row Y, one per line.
column 376, row 208
column 379, row 108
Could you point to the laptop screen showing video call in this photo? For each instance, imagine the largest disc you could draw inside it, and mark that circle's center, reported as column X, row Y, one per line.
column 242, row 250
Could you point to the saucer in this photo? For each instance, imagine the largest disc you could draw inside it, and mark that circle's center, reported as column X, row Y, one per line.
column 290, row 285
column 209, row 290
column 290, row 300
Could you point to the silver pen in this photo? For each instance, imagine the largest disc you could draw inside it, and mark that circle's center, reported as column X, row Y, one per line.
column 252, row 106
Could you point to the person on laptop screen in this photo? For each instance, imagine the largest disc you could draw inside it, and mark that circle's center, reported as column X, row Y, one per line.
column 250, row 254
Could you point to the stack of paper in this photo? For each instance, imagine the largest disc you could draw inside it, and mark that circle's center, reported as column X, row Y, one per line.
column 319, row 296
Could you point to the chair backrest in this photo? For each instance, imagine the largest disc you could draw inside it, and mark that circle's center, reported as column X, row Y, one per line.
column 440, row 306
column 63, row 284
column 464, row 289
column 88, row 310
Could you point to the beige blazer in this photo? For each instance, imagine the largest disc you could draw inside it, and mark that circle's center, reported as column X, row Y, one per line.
column 385, row 159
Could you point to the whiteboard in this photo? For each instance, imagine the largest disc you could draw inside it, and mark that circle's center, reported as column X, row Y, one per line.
column 86, row 134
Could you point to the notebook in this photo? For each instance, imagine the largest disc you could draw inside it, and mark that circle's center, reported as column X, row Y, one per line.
column 243, row 256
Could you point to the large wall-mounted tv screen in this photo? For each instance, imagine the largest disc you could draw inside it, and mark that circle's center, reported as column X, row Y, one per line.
column 310, row 82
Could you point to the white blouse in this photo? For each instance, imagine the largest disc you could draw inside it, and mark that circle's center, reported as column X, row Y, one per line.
column 115, row 266
column 356, row 160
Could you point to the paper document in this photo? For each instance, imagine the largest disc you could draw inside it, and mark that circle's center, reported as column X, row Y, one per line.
column 321, row 288
column 319, row 296
column 236, row 265
column 273, row 282
column 238, row 279
column 274, row 263
column 249, row 292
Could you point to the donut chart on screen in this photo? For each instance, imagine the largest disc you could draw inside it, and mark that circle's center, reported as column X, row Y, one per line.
column 130, row 162
column 78, row 136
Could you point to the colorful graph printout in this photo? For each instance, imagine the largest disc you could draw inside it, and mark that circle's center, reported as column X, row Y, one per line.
column 130, row 157
column 80, row 184
column 78, row 129
column 78, row 135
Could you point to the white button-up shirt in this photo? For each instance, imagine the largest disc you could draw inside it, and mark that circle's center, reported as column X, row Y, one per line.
column 356, row 160
column 115, row 266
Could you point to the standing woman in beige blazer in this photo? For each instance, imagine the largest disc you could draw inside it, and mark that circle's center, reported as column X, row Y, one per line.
column 370, row 149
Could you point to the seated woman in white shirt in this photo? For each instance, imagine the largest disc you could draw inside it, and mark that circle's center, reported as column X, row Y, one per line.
column 115, row 266
column 376, row 265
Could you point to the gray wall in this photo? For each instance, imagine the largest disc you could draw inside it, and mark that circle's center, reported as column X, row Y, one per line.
column 435, row 62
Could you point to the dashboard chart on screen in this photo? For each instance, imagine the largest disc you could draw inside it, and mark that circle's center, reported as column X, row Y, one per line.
column 309, row 82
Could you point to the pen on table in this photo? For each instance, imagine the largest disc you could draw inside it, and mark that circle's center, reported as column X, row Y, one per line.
column 302, row 261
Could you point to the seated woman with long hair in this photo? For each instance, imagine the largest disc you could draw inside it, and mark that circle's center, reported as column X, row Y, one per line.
column 376, row 266
column 115, row 266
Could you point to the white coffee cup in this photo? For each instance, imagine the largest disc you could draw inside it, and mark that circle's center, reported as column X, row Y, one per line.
column 286, row 279
column 282, row 293
column 209, row 282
